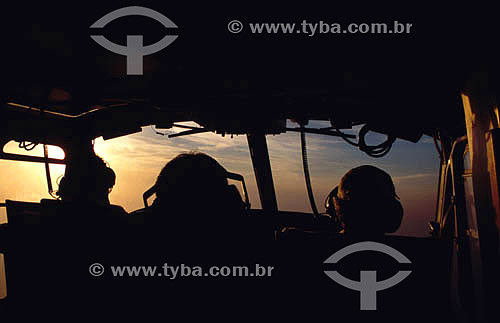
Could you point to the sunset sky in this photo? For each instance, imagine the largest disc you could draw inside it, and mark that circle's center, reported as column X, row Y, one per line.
column 137, row 159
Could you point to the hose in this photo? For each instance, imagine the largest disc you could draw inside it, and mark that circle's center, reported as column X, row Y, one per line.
column 307, row 175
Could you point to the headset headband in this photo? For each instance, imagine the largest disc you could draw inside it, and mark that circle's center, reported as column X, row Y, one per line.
column 236, row 177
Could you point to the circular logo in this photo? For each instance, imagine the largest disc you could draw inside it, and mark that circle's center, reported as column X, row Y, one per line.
column 96, row 269
column 235, row 26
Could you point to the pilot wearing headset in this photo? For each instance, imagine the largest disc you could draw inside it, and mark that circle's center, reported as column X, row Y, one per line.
column 193, row 195
column 94, row 183
column 365, row 203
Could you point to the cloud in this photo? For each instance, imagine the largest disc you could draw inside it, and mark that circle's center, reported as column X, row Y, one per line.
column 137, row 159
column 413, row 177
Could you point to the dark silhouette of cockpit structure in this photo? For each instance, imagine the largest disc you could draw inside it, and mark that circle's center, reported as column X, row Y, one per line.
column 62, row 89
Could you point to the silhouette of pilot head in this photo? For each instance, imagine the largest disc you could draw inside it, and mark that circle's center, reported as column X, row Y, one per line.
column 366, row 202
column 192, row 183
column 92, row 182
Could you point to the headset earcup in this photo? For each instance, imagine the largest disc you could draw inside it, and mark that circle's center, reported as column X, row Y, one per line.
column 394, row 216
column 109, row 177
column 234, row 198
column 61, row 190
column 343, row 211
column 329, row 203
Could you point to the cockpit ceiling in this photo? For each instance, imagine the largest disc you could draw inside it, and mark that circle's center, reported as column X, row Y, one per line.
column 394, row 82
column 383, row 99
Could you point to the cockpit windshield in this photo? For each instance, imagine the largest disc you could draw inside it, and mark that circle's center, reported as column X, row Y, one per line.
column 138, row 158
